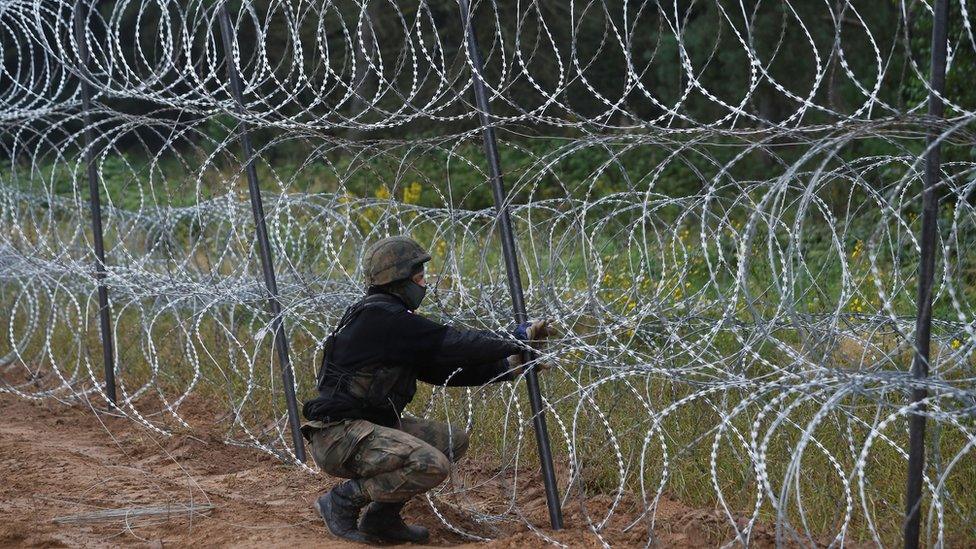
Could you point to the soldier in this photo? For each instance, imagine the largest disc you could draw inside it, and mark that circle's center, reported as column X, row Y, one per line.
column 369, row 373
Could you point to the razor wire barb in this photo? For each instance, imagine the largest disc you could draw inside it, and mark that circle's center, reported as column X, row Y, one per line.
column 718, row 203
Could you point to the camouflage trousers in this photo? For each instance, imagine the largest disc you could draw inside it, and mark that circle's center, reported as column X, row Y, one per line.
column 393, row 465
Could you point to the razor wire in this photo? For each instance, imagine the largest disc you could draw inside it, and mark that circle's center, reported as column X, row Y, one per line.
column 731, row 267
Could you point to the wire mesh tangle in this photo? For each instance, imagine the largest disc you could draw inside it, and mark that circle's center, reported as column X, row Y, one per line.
column 718, row 204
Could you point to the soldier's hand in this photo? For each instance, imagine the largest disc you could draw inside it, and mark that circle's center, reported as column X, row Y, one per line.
column 518, row 367
column 535, row 330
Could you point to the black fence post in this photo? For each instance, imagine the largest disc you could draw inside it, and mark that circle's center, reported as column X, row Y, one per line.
column 264, row 247
column 511, row 263
column 94, row 202
column 923, row 322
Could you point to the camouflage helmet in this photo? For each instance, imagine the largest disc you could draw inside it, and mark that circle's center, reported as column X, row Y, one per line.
column 391, row 259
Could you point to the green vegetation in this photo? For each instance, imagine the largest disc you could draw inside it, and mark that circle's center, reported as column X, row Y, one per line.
column 650, row 248
column 217, row 352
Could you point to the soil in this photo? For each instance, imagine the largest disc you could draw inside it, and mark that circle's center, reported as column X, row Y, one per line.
column 61, row 465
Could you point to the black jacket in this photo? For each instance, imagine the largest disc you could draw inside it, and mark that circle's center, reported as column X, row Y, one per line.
column 377, row 356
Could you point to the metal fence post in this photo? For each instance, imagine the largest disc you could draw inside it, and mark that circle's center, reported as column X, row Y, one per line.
column 511, row 263
column 264, row 246
column 94, row 202
column 923, row 322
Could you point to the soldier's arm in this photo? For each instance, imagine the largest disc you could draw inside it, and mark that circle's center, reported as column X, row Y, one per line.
column 469, row 358
column 446, row 355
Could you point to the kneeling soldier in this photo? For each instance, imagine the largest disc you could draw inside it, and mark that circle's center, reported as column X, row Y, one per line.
column 369, row 374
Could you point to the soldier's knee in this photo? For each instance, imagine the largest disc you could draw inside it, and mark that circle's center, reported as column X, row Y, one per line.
column 430, row 467
column 459, row 443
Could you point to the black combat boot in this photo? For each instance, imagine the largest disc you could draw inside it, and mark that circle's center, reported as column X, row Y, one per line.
column 340, row 509
column 383, row 520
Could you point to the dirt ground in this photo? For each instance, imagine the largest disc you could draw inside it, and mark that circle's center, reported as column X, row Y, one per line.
column 59, row 465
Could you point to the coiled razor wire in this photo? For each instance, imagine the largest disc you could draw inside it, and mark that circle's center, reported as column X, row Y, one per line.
column 728, row 248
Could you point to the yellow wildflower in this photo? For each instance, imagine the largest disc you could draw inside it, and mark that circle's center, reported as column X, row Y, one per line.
column 411, row 193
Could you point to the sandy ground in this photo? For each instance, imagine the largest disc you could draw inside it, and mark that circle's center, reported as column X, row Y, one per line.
column 59, row 462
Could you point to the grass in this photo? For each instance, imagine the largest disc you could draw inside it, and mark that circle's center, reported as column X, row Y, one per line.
column 223, row 357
